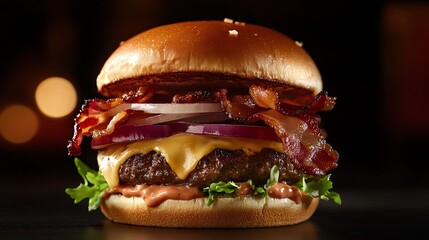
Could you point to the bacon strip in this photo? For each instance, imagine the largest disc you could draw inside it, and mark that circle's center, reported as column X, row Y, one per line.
column 313, row 122
column 118, row 119
column 297, row 126
column 308, row 151
column 242, row 107
column 191, row 97
column 264, row 97
column 268, row 98
column 94, row 118
column 143, row 94
column 91, row 115
column 322, row 102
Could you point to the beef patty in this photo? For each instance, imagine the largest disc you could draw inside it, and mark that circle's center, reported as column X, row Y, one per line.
column 219, row 165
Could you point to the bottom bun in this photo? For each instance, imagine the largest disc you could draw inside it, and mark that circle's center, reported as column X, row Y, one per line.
column 238, row 212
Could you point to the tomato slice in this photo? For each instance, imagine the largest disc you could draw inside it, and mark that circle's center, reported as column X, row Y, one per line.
column 129, row 133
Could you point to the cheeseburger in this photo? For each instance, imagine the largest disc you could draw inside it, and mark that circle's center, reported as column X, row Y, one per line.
column 207, row 124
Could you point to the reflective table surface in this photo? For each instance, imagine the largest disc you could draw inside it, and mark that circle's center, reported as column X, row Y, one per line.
column 41, row 210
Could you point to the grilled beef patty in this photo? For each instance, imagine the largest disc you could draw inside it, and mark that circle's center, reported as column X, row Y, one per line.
column 219, row 165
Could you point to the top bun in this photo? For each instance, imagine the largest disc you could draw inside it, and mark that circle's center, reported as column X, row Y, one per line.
column 204, row 53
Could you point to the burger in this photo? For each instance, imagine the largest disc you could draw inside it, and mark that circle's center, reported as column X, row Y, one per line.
column 207, row 124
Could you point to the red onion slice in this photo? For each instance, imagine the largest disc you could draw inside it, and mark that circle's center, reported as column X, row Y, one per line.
column 128, row 133
column 228, row 130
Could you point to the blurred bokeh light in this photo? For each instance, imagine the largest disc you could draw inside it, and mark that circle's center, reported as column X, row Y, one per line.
column 18, row 123
column 56, row 97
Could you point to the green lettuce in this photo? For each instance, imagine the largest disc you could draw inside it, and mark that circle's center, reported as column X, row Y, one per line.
column 94, row 185
column 92, row 188
column 224, row 188
column 320, row 187
column 316, row 187
column 263, row 191
column 229, row 188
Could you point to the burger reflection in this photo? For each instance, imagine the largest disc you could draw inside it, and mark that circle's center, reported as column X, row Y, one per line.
column 306, row 230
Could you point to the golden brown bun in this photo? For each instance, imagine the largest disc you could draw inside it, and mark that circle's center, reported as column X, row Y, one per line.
column 239, row 212
column 207, row 53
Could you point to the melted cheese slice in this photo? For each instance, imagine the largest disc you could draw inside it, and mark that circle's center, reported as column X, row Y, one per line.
column 181, row 151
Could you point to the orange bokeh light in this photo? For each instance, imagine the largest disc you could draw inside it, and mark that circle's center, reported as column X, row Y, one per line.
column 56, row 97
column 18, row 123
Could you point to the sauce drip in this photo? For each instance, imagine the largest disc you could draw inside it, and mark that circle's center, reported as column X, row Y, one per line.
column 245, row 189
column 154, row 195
column 282, row 190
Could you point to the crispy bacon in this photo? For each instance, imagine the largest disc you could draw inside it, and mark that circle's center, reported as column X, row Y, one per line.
column 143, row 94
column 241, row 108
column 83, row 123
column 298, row 126
column 313, row 122
column 264, row 97
column 322, row 102
column 308, row 151
column 94, row 113
column 267, row 97
column 73, row 146
column 191, row 97
column 94, row 118
column 118, row 119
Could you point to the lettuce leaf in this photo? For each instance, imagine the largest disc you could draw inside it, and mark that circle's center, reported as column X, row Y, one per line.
column 274, row 178
column 92, row 188
column 94, row 185
column 229, row 188
column 320, row 187
column 221, row 187
column 316, row 187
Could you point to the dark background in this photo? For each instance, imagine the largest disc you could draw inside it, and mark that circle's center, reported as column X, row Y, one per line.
column 372, row 55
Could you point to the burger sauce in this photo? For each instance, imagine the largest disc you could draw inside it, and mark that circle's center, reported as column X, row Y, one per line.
column 281, row 190
column 245, row 189
column 278, row 190
column 154, row 195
